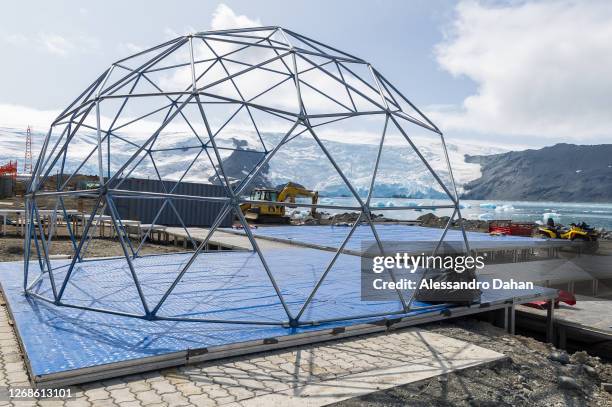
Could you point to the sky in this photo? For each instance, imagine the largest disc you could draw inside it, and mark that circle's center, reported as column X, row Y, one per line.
column 516, row 74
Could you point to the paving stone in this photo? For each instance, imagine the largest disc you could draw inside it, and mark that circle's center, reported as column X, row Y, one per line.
column 226, row 380
column 138, row 386
column 8, row 357
column 240, row 393
column 175, row 399
column 154, row 376
column 50, row 403
column 24, row 403
column 177, row 378
column 13, row 367
column 188, row 389
column 217, row 393
column 122, row 395
column 96, row 394
column 114, row 384
column 78, row 402
column 17, row 378
column 149, row 397
column 163, row 387
column 202, row 400
column 104, row 403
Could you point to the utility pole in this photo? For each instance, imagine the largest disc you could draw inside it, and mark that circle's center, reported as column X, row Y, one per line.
column 27, row 162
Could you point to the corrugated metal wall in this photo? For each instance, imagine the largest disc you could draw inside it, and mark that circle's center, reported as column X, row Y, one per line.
column 7, row 186
column 193, row 213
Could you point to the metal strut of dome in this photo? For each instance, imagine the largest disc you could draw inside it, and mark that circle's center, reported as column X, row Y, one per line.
column 324, row 86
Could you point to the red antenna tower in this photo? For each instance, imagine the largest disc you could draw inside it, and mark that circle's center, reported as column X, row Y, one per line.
column 27, row 162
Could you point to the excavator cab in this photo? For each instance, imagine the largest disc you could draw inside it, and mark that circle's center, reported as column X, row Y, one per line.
column 264, row 195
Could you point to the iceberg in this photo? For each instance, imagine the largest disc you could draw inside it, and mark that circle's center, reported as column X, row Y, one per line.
column 485, row 216
column 504, row 208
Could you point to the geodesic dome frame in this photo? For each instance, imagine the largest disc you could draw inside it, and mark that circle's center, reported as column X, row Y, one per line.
column 323, row 86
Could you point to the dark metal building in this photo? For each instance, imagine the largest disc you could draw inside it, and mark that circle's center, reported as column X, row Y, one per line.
column 192, row 212
column 7, row 186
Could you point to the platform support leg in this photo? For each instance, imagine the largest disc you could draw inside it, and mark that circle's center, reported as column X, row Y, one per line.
column 499, row 318
column 511, row 319
column 550, row 320
column 562, row 337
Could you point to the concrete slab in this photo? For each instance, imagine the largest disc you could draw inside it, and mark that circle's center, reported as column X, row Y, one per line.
column 375, row 364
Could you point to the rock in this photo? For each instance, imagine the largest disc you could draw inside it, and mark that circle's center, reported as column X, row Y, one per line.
column 428, row 218
column 607, row 387
column 580, row 357
column 590, row 370
column 566, row 382
column 559, row 356
column 485, row 403
column 443, row 220
column 349, row 218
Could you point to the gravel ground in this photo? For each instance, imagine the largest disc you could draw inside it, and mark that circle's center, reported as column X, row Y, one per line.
column 11, row 248
column 535, row 374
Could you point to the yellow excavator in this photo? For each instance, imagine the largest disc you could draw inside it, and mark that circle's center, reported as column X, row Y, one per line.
column 270, row 213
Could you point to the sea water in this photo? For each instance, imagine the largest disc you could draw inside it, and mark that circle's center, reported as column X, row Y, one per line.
column 595, row 214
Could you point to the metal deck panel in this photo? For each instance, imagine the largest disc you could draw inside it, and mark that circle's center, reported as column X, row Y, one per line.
column 331, row 237
column 61, row 340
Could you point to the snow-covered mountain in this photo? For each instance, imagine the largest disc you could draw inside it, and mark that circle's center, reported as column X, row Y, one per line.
column 401, row 172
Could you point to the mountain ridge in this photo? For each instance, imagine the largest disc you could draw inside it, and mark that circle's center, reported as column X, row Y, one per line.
column 561, row 172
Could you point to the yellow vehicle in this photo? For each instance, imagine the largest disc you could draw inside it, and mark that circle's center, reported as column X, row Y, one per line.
column 579, row 232
column 270, row 213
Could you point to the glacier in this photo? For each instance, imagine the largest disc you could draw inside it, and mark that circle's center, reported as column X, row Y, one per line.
column 401, row 173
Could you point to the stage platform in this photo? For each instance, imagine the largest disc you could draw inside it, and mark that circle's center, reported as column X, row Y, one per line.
column 66, row 345
column 331, row 237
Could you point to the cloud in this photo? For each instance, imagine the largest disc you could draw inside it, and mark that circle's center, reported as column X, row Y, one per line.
column 15, row 39
column 56, row 44
column 225, row 18
column 22, row 116
column 222, row 18
column 541, row 68
column 129, row 48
